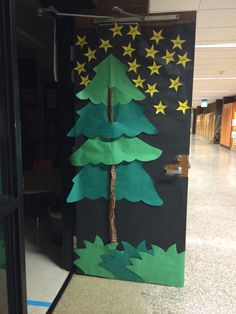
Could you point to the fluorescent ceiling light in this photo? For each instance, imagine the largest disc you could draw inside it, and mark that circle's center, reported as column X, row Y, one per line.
column 213, row 78
column 220, row 45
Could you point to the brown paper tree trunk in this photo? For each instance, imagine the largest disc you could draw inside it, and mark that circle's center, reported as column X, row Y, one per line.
column 112, row 200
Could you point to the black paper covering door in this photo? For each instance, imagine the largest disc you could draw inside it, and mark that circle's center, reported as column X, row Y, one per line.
column 143, row 74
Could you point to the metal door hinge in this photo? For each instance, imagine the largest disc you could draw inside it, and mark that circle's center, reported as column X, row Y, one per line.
column 75, row 242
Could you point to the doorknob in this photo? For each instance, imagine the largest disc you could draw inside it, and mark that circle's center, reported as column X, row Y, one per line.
column 177, row 171
column 179, row 167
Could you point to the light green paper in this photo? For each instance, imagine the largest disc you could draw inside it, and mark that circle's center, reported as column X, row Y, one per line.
column 113, row 152
column 90, row 257
column 111, row 73
column 132, row 183
column 162, row 267
column 129, row 120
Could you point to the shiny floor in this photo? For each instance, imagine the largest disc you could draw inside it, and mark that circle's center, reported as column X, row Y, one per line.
column 210, row 283
column 44, row 276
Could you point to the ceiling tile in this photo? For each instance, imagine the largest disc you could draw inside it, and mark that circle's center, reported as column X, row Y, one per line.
column 173, row 6
column 204, row 35
column 217, row 4
column 216, row 18
column 218, row 53
column 215, row 61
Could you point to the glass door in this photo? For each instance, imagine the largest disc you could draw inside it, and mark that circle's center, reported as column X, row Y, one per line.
column 12, row 264
column 3, row 271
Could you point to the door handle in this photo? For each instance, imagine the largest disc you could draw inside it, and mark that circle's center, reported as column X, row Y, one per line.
column 176, row 171
column 179, row 167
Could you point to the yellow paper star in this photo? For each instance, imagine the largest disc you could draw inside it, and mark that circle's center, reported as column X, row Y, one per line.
column 151, row 52
column 169, row 56
column 154, row 68
column 139, row 82
column 90, row 54
column 105, row 44
column 134, row 31
column 133, row 66
column 152, row 89
column 80, row 67
column 177, row 42
column 81, row 41
column 183, row 106
column 175, row 83
column 128, row 50
column 183, row 59
column 157, row 36
column 85, row 80
column 116, row 30
column 160, row 108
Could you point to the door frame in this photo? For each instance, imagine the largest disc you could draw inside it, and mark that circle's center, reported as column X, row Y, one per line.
column 11, row 201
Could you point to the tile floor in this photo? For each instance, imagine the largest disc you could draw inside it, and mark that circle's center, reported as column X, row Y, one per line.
column 43, row 274
column 211, row 252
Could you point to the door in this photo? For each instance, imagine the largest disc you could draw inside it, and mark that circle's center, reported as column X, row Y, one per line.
column 12, row 263
column 133, row 84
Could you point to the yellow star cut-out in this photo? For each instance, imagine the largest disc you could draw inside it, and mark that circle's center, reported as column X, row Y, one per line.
column 175, row 83
column 81, row 41
column 133, row 66
column 90, row 54
column 177, row 43
column 151, row 52
column 139, row 81
column 134, row 31
column 105, row 44
column 160, row 108
column 85, row 80
column 80, row 67
column 183, row 59
column 157, row 36
column 152, row 89
column 128, row 50
column 116, row 30
column 183, row 106
column 169, row 56
column 154, row 68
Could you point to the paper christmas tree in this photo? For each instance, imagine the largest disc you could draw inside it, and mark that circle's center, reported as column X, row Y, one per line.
column 113, row 154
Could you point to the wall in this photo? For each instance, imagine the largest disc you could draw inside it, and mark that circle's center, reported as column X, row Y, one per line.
column 228, row 113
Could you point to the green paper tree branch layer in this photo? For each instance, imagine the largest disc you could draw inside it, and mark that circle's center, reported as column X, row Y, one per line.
column 93, row 122
column 111, row 73
column 134, row 264
column 113, row 152
column 133, row 184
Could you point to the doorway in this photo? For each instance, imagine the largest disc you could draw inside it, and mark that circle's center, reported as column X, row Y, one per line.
column 41, row 156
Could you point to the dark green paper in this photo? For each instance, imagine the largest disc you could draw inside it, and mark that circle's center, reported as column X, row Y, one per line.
column 132, row 184
column 112, row 152
column 129, row 120
column 117, row 261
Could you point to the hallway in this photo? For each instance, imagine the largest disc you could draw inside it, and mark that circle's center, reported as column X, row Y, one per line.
column 210, row 285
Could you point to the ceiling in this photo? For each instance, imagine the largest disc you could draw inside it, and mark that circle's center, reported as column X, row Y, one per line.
column 214, row 68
